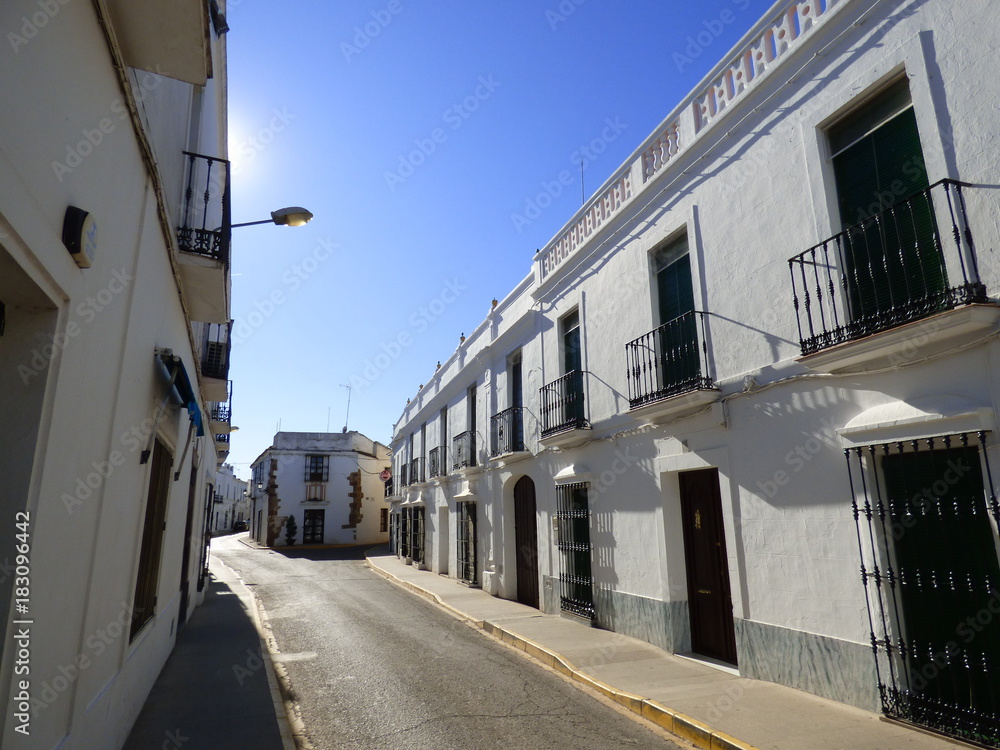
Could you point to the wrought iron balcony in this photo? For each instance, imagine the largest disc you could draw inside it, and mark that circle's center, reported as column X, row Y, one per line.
column 222, row 437
column 463, row 448
column 436, row 458
column 403, row 475
column 222, row 413
column 507, row 431
column 668, row 361
column 417, row 471
column 216, row 348
column 564, row 404
column 206, row 219
column 913, row 259
column 390, row 487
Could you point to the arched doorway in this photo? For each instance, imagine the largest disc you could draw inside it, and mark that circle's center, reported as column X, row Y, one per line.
column 526, row 541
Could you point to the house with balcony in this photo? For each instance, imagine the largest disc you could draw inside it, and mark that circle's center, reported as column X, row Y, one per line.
column 231, row 503
column 329, row 483
column 742, row 405
column 112, row 312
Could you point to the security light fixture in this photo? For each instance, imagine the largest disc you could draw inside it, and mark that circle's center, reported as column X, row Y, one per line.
column 292, row 216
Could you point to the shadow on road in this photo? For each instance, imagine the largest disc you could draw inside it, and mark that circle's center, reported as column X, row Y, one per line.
column 353, row 552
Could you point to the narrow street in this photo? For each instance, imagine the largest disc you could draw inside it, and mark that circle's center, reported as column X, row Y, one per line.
column 375, row 667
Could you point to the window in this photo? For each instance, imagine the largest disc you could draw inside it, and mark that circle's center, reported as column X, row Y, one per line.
column 466, row 547
column 147, row 578
column 573, row 542
column 312, row 525
column 317, row 468
column 677, row 337
column 470, row 400
column 383, row 520
column 891, row 259
column 925, row 515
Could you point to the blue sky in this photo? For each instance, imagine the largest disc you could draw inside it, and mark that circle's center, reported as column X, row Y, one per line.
column 419, row 134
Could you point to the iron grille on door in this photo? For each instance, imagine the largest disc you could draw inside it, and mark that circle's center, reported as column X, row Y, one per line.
column 467, row 543
column 573, row 540
column 931, row 574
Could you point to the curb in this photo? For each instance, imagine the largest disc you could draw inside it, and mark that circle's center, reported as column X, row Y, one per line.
column 676, row 723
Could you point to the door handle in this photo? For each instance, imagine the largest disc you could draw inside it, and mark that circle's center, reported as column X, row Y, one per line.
column 704, row 591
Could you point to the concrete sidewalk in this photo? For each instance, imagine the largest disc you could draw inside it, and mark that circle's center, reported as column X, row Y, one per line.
column 217, row 690
column 708, row 706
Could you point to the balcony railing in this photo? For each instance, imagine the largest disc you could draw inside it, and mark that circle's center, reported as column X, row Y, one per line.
column 507, row 431
column 390, row 487
column 668, row 361
column 206, row 219
column 222, row 437
column 417, row 471
column 463, row 448
column 222, row 413
column 436, row 461
column 564, row 404
column 913, row 259
column 216, row 350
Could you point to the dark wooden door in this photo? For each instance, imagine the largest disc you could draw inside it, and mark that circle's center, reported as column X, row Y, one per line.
column 712, row 630
column 526, row 540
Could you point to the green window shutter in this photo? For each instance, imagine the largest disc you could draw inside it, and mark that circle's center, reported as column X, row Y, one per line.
column 894, row 269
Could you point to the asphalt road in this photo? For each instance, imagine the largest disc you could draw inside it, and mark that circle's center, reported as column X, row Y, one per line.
column 375, row 667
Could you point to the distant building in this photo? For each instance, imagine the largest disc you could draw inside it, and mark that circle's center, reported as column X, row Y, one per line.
column 743, row 405
column 231, row 503
column 328, row 482
column 114, row 310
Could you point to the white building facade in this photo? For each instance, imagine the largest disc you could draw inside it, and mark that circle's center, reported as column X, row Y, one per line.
column 231, row 502
column 113, row 278
column 328, row 483
column 743, row 406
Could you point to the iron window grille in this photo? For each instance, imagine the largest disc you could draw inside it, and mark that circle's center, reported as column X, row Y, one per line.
column 317, row 468
column 404, row 533
column 564, row 404
column 507, row 431
column 929, row 567
column 464, row 450
column 573, row 541
column 467, row 536
column 891, row 268
column 413, row 534
column 206, row 218
column 417, row 471
column 404, row 478
column 669, row 360
column 436, row 458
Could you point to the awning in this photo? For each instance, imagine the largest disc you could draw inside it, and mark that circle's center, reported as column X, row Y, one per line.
column 181, row 391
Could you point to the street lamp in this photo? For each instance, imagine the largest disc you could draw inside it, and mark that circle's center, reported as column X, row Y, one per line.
column 292, row 216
